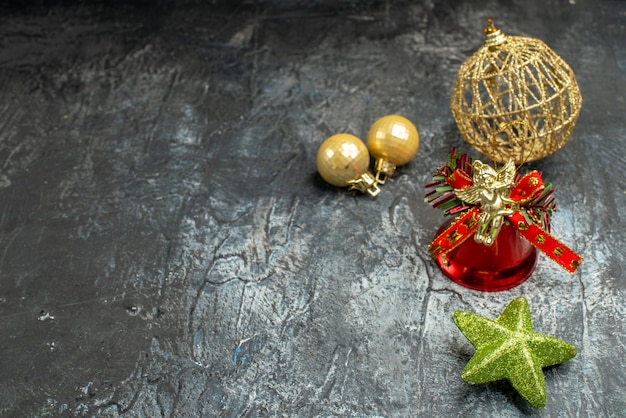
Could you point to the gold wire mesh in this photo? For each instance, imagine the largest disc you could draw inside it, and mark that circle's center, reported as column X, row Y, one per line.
column 513, row 82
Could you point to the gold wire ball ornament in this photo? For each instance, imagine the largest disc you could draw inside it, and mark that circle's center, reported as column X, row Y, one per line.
column 343, row 161
column 393, row 140
column 515, row 98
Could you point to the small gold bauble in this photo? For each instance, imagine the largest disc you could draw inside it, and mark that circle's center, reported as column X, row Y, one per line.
column 515, row 98
column 343, row 160
column 393, row 140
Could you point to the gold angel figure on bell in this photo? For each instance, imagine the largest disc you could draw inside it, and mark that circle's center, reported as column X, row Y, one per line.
column 491, row 190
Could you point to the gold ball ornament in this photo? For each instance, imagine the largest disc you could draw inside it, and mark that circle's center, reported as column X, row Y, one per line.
column 515, row 98
column 393, row 140
column 343, row 161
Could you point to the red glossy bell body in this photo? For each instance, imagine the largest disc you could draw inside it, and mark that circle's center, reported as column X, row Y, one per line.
column 508, row 262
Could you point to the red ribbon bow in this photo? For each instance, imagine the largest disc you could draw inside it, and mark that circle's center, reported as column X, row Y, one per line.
column 523, row 191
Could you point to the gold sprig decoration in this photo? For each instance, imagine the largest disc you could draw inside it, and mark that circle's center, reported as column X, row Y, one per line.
column 515, row 98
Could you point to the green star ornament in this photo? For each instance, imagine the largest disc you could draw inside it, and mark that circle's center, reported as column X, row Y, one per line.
column 508, row 348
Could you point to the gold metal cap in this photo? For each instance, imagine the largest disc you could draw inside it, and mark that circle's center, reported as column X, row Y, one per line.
column 493, row 35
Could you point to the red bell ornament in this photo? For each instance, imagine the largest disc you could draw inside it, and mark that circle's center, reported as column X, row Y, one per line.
column 501, row 219
column 504, row 264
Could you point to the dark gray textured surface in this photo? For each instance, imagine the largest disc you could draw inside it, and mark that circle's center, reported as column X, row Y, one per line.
column 167, row 248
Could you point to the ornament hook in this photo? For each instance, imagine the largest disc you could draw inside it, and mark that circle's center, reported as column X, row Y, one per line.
column 365, row 183
column 384, row 169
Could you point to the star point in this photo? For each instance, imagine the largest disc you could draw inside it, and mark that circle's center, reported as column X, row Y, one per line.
column 508, row 348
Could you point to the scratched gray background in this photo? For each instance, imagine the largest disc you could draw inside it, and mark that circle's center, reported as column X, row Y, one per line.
column 167, row 248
